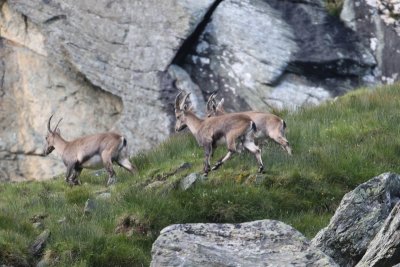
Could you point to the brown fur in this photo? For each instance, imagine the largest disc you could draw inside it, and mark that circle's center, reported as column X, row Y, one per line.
column 92, row 151
column 268, row 125
column 232, row 128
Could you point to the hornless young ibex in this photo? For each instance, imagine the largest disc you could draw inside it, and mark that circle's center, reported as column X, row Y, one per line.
column 92, row 151
column 268, row 125
column 231, row 128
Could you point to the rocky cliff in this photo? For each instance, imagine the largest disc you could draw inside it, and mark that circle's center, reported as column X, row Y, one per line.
column 109, row 65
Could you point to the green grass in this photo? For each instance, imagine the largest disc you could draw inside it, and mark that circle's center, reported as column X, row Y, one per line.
column 336, row 147
column 334, row 7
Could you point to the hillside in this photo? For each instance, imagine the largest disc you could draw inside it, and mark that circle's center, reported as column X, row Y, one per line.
column 74, row 59
column 336, row 146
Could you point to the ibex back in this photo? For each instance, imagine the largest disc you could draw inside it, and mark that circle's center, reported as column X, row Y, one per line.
column 92, row 151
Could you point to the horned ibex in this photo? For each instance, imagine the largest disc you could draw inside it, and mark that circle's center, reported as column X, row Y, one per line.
column 230, row 127
column 268, row 125
column 92, row 151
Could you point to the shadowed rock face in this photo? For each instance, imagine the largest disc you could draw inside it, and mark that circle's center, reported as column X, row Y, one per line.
column 111, row 65
column 358, row 219
column 282, row 54
column 259, row 243
column 384, row 249
column 377, row 23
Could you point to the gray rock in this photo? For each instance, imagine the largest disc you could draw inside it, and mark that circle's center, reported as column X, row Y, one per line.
column 378, row 25
column 238, row 60
column 294, row 92
column 90, row 205
column 185, row 83
column 249, row 48
column 155, row 185
column 39, row 244
column 384, row 249
column 259, row 243
column 38, row 225
column 357, row 220
column 188, row 181
column 104, row 195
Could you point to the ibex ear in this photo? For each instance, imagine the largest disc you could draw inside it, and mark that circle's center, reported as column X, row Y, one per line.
column 187, row 107
column 58, row 131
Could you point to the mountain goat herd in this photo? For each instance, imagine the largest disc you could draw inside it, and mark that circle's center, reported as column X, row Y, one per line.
column 235, row 130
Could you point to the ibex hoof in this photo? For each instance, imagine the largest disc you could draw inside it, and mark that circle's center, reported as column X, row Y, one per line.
column 261, row 169
column 73, row 182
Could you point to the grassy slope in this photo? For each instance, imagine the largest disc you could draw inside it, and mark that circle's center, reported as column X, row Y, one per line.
column 336, row 147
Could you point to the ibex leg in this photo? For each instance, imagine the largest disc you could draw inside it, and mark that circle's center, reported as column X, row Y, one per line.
column 106, row 157
column 284, row 144
column 231, row 144
column 207, row 154
column 126, row 164
column 70, row 170
column 280, row 139
column 256, row 152
column 74, row 179
column 72, row 173
column 221, row 161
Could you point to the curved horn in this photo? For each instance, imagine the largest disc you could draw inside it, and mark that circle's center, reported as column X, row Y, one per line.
column 177, row 100
column 48, row 124
column 184, row 101
column 57, row 125
column 210, row 101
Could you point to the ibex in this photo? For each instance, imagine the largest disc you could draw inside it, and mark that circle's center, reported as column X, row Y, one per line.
column 268, row 125
column 231, row 128
column 92, row 151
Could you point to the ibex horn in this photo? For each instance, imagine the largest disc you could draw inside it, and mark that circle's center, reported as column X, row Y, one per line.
column 211, row 100
column 177, row 100
column 48, row 124
column 184, row 100
column 57, row 125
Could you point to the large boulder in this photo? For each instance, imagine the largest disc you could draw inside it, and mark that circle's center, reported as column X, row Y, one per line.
column 97, row 64
column 378, row 25
column 281, row 54
column 358, row 219
column 384, row 249
column 259, row 243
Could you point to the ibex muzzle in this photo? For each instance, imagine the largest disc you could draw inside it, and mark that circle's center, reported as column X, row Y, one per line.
column 92, row 151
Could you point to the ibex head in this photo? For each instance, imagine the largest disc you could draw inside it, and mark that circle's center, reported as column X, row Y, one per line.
column 214, row 109
column 180, row 111
column 49, row 147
